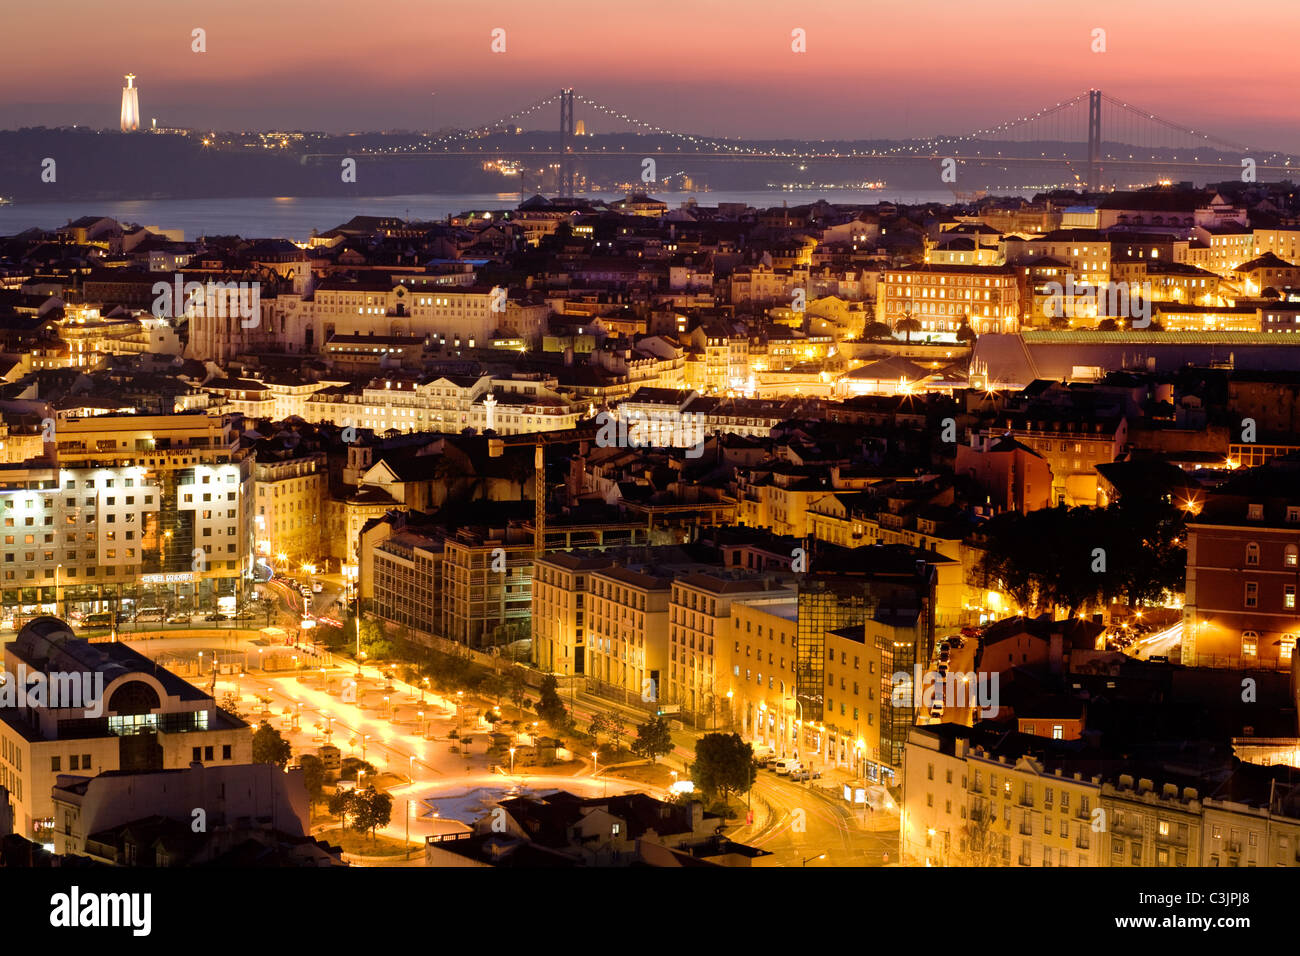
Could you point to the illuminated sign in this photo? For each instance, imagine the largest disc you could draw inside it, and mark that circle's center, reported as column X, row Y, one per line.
column 172, row 577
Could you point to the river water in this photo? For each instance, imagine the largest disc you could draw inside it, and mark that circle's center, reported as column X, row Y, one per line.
column 295, row 217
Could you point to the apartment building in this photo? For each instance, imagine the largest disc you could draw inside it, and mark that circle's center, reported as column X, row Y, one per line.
column 760, row 688
column 406, row 582
column 138, row 716
column 702, row 633
column 290, row 490
column 966, row 802
column 1072, row 442
column 871, row 583
column 487, row 586
column 440, row 308
column 519, row 404
column 561, row 588
column 865, row 727
column 941, row 297
column 138, row 510
column 1243, row 571
column 627, row 633
column 1146, row 826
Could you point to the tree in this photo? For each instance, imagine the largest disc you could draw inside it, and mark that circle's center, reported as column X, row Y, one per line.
column 599, row 725
column 965, row 333
column 908, row 326
column 230, row 704
column 494, row 686
column 270, row 747
column 313, row 777
column 1071, row 557
column 371, row 809
column 617, row 730
column 340, row 805
column 1107, row 325
column 353, row 766
column 723, row 764
column 876, row 330
column 653, row 739
column 549, row 706
column 516, row 687
column 980, row 845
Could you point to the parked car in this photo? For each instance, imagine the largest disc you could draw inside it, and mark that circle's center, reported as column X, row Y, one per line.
column 786, row 765
column 317, row 587
column 217, row 616
column 800, row 775
column 150, row 615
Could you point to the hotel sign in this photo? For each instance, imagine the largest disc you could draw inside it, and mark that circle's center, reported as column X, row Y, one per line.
column 173, row 577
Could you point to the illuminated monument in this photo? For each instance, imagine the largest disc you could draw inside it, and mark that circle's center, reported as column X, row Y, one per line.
column 130, row 105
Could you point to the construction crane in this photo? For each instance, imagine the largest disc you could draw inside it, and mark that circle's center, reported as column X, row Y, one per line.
column 539, row 441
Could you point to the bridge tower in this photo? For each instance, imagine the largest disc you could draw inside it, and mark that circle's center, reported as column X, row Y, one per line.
column 1094, row 140
column 565, row 185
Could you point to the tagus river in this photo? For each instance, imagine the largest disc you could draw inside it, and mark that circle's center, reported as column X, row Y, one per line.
column 294, row 218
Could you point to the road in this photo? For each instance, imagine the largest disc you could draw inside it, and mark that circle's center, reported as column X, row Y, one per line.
column 383, row 726
column 1158, row 643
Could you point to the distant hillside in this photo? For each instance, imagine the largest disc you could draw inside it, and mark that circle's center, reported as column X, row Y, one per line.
column 114, row 166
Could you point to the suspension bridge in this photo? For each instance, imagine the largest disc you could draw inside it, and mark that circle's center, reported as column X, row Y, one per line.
column 1092, row 134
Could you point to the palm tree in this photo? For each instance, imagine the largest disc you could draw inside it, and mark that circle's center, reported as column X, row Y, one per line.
column 908, row 325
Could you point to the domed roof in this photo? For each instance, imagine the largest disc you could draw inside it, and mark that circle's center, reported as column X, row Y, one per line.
column 49, row 627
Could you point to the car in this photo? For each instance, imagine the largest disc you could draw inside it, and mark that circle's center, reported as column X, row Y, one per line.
column 216, row 616
column 936, row 711
column 786, row 765
column 317, row 587
column 800, row 774
column 179, row 619
column 1159, row 658
column 942, row 668
column 945, row 655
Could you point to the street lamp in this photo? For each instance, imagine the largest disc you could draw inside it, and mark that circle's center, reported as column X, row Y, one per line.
column 819, row 856
column 799, row 723
column 363, row 746
column 512, row 761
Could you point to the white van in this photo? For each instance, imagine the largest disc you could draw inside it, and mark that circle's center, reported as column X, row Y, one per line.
column 785, row 765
